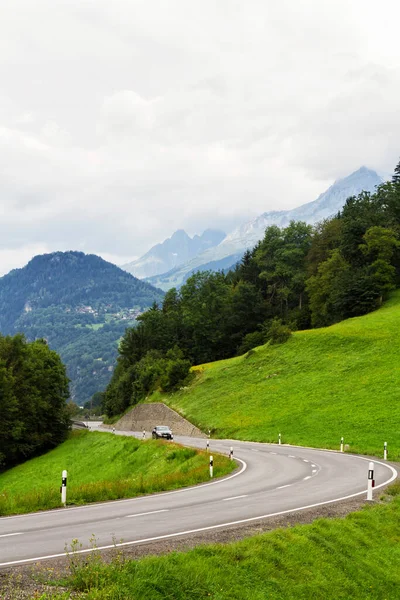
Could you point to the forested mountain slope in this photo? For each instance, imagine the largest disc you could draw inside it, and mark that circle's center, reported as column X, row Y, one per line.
column 295, row 278
column 320, row 385
column 81, row 305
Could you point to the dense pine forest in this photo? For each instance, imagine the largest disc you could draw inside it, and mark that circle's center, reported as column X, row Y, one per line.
column 34, row 415
column 295, row 278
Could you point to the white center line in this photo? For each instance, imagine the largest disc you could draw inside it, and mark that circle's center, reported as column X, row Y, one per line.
column 305, row 460
column 9, row 534
column 273, row 453
column 314, row 470
column 291, row 456
column 235, row 497
column 153, row 512
column 283, row 486
column 308, row 477
column 254, row 450
column 312, row 465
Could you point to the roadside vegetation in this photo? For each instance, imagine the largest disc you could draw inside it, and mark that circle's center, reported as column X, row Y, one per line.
column 357, row 557
column 322, row 384
column 101, row 467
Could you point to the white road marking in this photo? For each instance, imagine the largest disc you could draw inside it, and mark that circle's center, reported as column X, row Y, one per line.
column 308, row 477
column 283, row 486
column 152, row 512
column 210, row 527
column 305, row 460
column 273, row 453
column 291, row 456
column 314, row 470
column 235, row 497
column 9, row 534
column 313, row 465
column 254, row 450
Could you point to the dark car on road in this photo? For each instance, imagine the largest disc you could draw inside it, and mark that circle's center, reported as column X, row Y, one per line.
column 162, row 431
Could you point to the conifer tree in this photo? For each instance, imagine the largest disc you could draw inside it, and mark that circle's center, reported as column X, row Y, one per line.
column 396, row 176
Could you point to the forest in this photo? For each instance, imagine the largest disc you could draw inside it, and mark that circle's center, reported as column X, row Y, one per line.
column 34, row 415
column 81, row 305
column 295, row 278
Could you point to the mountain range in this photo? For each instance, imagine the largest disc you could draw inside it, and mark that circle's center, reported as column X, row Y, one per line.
column 230, row 250
column 81, row 305
column 174, row 251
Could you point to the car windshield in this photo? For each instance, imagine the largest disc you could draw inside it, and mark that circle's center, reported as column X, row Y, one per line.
column 162, row 428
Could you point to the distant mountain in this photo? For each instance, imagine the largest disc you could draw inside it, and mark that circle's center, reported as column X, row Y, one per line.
column 179, row 276
column 247, row 235
column 174, row 251
column 81, row 305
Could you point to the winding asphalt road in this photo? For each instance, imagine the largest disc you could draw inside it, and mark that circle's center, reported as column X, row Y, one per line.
column 271, row 480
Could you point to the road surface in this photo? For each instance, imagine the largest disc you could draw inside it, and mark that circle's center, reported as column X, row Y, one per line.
column 271, row 480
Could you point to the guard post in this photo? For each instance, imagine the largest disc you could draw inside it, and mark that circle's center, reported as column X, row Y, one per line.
column 385, row 451
column 371, row 481
column 211, row 467
column 341, row 444
column 231, row 453
column 63, row 489
column 279, row 439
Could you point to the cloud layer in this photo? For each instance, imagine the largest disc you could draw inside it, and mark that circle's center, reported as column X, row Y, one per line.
column 123, row 121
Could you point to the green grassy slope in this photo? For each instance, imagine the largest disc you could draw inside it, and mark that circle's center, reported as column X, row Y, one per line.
column 103, row 466
column 322, row 384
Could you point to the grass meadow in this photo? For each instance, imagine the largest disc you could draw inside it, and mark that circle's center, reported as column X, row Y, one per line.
column 103, row 466
column 322, row 384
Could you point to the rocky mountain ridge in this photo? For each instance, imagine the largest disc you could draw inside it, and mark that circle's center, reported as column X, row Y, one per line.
column 233, row 246
column 174, row 251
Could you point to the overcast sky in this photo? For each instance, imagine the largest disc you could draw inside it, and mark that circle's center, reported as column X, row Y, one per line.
column 124, row 120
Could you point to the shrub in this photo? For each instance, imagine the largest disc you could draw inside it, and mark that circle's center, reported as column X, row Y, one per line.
column 251, row 340
column 278, row 332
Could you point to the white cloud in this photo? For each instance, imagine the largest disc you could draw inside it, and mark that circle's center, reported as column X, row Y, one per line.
column 124, row 121
column 18, row 257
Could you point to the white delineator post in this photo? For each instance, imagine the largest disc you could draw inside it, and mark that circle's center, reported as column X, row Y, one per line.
column 211, row 466
column 144, row 434
column 279, row 439
column 231, row 453
column 64, row 488
column 341, row 444
column 113, row 429
column 371, row 481
column 208, row 446
column 385, row 451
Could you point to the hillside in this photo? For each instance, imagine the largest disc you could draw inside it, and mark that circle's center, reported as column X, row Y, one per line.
column 232, row 248
column 81, row 305
column 322, row 384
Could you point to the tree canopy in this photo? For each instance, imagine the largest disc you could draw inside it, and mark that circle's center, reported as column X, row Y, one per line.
column 33, row 396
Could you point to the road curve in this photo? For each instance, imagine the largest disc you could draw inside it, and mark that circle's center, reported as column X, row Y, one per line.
column 272, row 480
